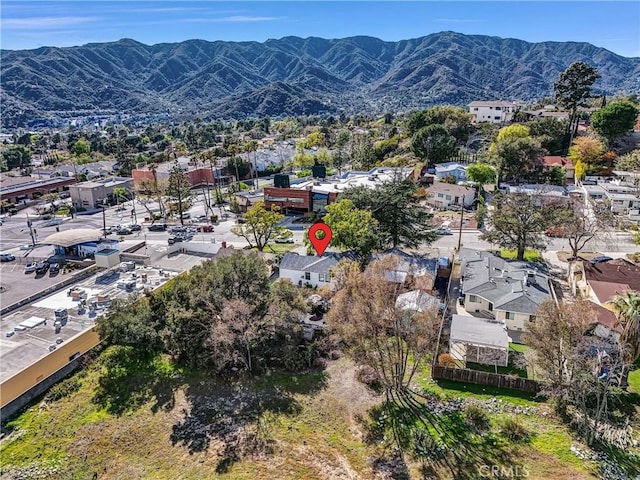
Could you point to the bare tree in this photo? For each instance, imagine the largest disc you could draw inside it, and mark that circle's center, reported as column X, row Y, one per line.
column 555, row 335
column 578, row 223
column 380, row 334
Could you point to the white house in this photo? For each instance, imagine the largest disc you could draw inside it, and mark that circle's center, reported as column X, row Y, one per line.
column 507, row 292
column 444, row 195
column 308, row 270
column 451, row 169
column 492, row 111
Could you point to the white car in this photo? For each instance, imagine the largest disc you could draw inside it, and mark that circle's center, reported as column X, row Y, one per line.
column 30, row 267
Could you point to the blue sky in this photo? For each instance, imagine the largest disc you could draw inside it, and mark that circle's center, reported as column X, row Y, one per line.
column 32, row 23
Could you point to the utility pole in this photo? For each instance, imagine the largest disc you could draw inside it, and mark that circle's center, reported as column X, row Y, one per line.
column 460, row 229
column 104, row 219
column 31, row 231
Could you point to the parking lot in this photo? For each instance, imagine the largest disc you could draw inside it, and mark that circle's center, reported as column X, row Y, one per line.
column 26, row 345
column 17, row 285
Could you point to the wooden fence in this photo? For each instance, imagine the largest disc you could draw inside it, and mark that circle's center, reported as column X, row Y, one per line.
column 440, row 372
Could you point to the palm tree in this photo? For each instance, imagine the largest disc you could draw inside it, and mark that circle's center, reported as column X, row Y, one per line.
column 627, row 308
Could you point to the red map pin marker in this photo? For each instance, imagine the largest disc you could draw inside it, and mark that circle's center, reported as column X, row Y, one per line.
column 320, row 244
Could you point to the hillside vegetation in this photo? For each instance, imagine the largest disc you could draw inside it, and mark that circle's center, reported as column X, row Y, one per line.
column 292, row 75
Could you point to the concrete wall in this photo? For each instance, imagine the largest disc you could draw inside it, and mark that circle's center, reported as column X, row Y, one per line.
column 24, row 386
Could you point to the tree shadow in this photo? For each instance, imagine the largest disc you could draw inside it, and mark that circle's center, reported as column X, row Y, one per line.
column 437, row 434
column 132, row 380
column 230, row 416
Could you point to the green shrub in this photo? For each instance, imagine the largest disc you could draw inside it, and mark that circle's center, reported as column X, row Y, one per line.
column 63, row 389
column 514, row 431
column 477, row 418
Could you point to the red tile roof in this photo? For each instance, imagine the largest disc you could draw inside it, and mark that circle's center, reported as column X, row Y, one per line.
column 557, row 161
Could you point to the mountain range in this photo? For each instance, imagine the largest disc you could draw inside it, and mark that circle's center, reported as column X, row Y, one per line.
column 292, row 75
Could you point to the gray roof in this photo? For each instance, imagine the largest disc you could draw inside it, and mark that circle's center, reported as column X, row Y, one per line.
column 510, row 285
column 312, row 263
column 417, row 301
column 477, row 331
column 408, row 264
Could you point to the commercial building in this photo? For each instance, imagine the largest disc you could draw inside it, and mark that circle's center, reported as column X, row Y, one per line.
column 79, row 242
column 23, row 189
column 92, row 194
column 307, row 196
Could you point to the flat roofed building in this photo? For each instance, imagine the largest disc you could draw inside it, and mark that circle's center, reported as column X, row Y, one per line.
column 90, row 195
column 20, row 189
column 307, row 196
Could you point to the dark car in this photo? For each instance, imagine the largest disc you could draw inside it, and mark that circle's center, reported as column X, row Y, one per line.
column 124, row 231
column 158, row 227
column 175, row 239
column 54, row 269
column 135, row 228
column 42, row 267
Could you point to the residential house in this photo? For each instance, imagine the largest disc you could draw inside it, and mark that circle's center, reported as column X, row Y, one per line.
column 508, row 292
column 445, row 195
column 621, row 198
column 412, row 271
column 451, row 169
column 309, row 270
column 476, row 340
column 547, row 194
column 493, row 111
column 600, row 283
column 550, row 161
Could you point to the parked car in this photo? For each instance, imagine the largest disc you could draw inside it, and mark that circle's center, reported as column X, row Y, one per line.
column 135, row 227
column 443, row 231
column 202, row 218
column 158, row 227
column 10, row 334
column 284, row 240
column 175, row 239
column 124, row 231
column 30, row 267
column 52, row 223
column 55, row 269
column 26, row 247
column 204, row 228
column 7, row 257
column 178, row 229
column 42, row 267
